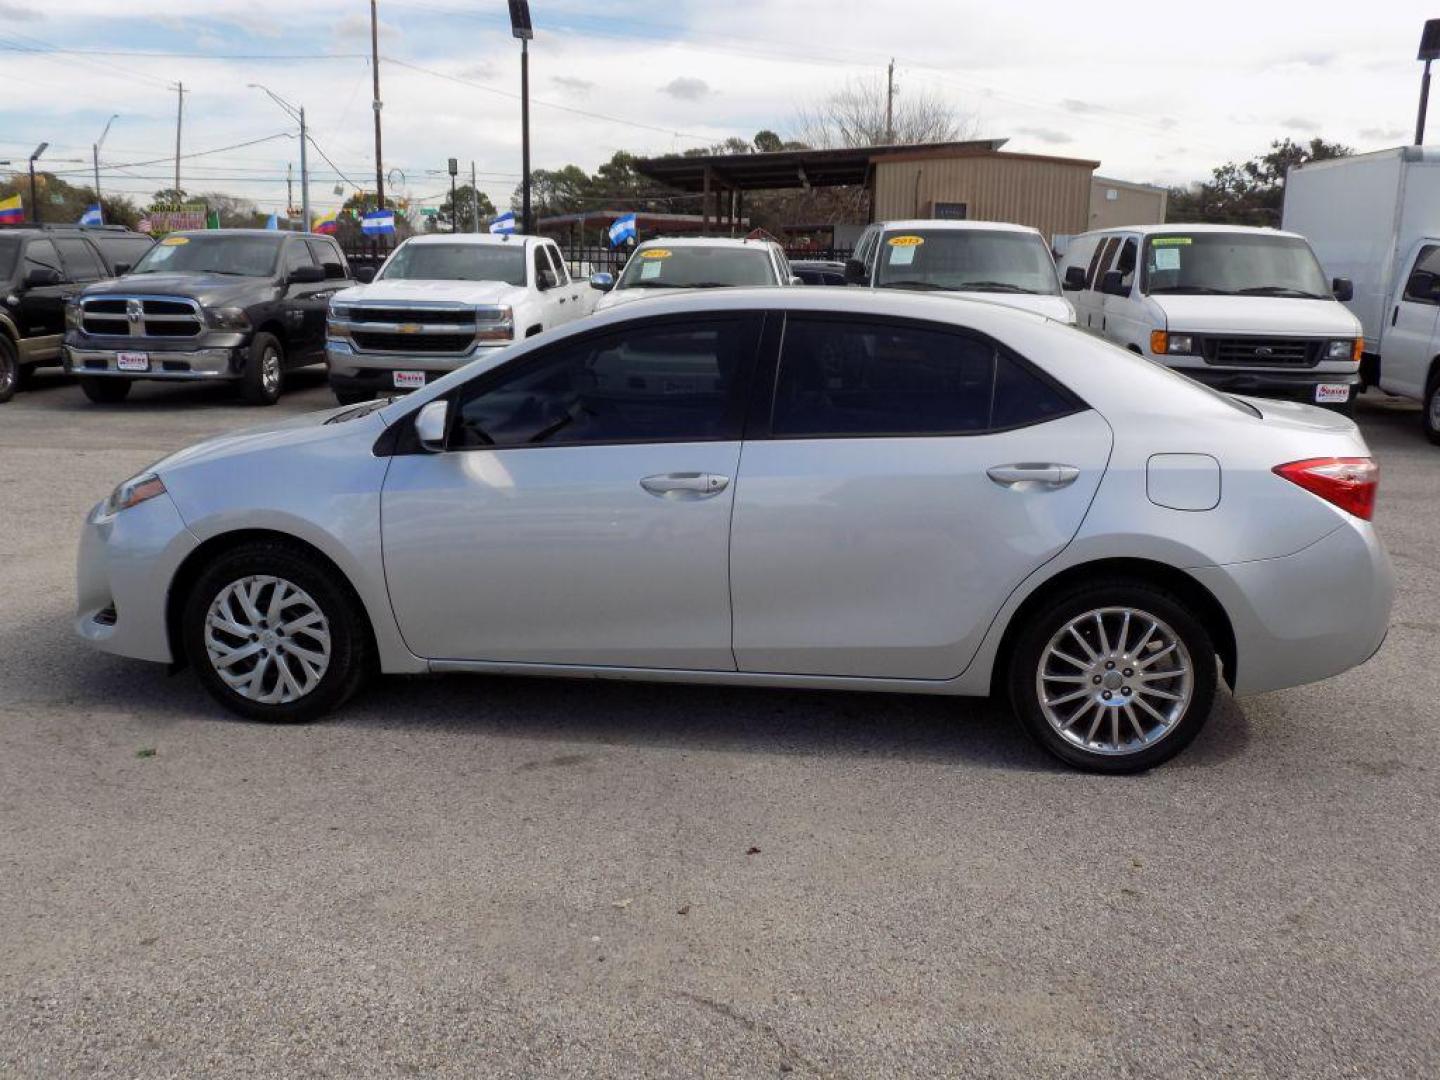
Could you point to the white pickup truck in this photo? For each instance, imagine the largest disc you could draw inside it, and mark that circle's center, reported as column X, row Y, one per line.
column 441, row 301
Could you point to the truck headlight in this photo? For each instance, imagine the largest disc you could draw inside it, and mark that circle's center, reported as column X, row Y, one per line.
column 72, row 316
column 1163, row 344
column 132, row 492
column 494, row 324
column 228, row 318
column 1345, row 349
column 340, row 312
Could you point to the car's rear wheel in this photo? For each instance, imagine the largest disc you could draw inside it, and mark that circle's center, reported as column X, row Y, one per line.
column 264, row 374
column 1430, row 408
column 105, row 391
column 9, row 370
column 274, row 635
column 1113, row 677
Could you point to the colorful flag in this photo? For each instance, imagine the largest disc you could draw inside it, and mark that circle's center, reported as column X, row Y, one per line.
column 12, row 212
column 273, row 223
column 328, row 223
column 622, row 229
column 378, row 222
column 503, row 223
column 92, row 215
column 143, row 225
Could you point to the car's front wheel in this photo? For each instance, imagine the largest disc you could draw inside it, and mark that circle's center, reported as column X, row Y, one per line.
column 1113, row 676
column 274, row 635
column 264, row 373
column 1430, row 408
column 9, row 370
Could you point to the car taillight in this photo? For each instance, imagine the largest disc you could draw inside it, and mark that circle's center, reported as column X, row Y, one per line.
column 1349, row 483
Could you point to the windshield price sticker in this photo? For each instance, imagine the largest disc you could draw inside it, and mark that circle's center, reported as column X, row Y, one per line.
column 905, row 241
column 1166, row 259
column 175, row 241
column 1172, row 241
column 650, row 270
column 655, row 253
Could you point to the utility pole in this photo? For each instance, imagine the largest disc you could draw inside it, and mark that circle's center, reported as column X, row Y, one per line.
column 375, row 104
column 179, row 118
column 890, row 103
column 95, row 157
column 289, row 188
column 304, row 176
column 474, row 201
column 35, row 215
column 454, row 167
column 1429, row 50
column 522, row 28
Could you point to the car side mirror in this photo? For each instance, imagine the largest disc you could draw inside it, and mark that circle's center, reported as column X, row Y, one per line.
column 855, row 272
column 602, row 281
column 547, row 280
column 430, row 426
column 1112, row 284
column 42, row 276
column 796, row 280
column 121, row 269
column 365, row 275
column 1343, row 288
column 306, row 275
column 1074, row 278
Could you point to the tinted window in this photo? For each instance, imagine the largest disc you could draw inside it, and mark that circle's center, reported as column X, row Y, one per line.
column 1420, row 287
column 80, row 259
column 668, row 382
column 1094, row 263
column 1127, row 261
column 328, row 255
column 1023, row 396
column 1107, row 255
column 122, row 249
column 41, row 255
column 297, row 254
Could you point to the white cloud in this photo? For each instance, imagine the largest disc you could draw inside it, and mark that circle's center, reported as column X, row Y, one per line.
column 573, row 86
column 19, row 12
column 1046, row 135
column 687, row 88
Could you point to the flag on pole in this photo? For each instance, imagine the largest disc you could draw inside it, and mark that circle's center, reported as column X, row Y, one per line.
column 622, row 229
column 12, row 211
column 378, row 222
column 143, row 225
column 92, row 215
column 273, row 223
column 503, row 223
column 328, row 224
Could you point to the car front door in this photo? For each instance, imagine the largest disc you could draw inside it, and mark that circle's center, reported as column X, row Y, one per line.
column 306, row 304
column 546, row 289
column 909, row 478
column 568, row 294
column 580, row 513
column 42, row 307
column 1408, row 342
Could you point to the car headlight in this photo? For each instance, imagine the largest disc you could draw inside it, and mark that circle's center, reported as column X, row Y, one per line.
column 1163, row 344
column 339, row 311
column 132, row 492
column 494, row 324
column 228, row 318
column 1344, row 349
column 72, row 315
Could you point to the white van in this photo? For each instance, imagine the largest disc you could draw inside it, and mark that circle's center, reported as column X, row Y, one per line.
column 979, row 260
column 1245, row 310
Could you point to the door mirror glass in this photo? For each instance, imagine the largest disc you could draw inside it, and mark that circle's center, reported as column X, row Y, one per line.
column 365, row 274
column 796, row 280
column 1074, row 278
column 1113, row 284
column 602, row 281
column 855, row 272
column 42, row 276
column 306, row 275
column 430, row 426
column 1343, row 288
column 121, row 269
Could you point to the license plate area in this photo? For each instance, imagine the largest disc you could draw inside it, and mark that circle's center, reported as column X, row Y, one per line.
column 1332, row 394
column 132, row 361
column 409, row 380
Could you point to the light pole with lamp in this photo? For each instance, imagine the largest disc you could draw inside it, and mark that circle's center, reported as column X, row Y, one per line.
column 297, row 114
column 95, row 157
column 34, row 202
column 521, row 27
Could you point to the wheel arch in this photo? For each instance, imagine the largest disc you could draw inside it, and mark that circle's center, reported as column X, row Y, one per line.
column 1197, row 597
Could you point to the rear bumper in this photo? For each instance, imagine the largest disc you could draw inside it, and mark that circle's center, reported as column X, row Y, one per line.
column 216, row 362
column 1290, row 385
column 1307, row 616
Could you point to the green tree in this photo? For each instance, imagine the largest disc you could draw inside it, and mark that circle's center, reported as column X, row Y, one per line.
column 1249, row 192
column 461, row 209
column 62, row 202
column 557, row 191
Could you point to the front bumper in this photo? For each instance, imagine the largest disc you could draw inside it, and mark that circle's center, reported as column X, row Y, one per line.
column 1306, row 616
column 123, row 577
column 217, row 361
column 351, row 370
column 1288, row 385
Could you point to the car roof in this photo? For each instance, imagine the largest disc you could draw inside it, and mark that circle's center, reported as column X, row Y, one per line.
column 243, row 232
column 956, row 226
column 1151, row 230
column 479, row 239
column 705, row 241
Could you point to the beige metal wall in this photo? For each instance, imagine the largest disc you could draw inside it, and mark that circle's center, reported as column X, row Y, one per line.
column 1132, row 204
column 1052, row 195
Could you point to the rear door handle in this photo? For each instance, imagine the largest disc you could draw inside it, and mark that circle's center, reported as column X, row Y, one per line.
column 685, row 485
column 1030, row 476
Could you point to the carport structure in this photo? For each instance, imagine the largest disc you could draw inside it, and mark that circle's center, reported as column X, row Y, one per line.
column 723, row 179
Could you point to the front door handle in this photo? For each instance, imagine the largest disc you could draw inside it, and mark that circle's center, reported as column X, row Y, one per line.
column 685, row 485
column 1031, row 476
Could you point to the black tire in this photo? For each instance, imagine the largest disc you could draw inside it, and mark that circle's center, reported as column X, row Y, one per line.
column 1053, row 618
column 9, row 369
column 1430, row 408
column 263, row 380
column 24, row 376
column 351, row 397
column 105, row 390
column 349, row 657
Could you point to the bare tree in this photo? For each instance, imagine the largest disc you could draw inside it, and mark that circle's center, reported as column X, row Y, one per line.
column 854, row 115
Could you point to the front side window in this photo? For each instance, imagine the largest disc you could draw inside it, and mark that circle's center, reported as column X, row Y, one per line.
column 327, row 253
column 968, row 260
column 1232, row 264
column 697, row 267
column 861, row 378
column 456, row 262
column 217, row 253
column 1423, row 284
column 297, row 254
column 562, row 275
column 1107, row 255
column 649, row 382
column 1126, row 263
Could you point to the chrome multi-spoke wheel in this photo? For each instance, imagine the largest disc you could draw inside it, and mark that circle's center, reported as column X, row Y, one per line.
column 267, row 639
column 270, row 371
column 1115, row 680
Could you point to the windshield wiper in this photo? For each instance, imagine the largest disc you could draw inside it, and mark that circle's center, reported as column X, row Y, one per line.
column 1203, row 289
column 907, row 284
column 1280, row 290
column 990, row 286
column 649, row 285
column 703, row 285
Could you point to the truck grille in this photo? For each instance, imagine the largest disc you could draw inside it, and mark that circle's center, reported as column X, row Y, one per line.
column 141, row 316
column 413, row 343
column 1262, row 351
column 424, row 316
column 431, row 329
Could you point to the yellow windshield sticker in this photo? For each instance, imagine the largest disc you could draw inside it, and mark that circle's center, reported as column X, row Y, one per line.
column 905, row 241
column 1171, row 241
column 655, row 253
column 175, row 241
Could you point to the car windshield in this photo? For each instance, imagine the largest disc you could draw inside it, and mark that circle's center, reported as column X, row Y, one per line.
column 9, row 245
column 969, row 260
column 696, row 267
column 457, row 262
column 215, row 253
column 1232, row 264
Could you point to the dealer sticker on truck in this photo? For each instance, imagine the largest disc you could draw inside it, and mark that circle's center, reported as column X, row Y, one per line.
column 1332, row 393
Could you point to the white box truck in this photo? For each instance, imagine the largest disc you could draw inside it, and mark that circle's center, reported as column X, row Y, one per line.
column 1375, row 219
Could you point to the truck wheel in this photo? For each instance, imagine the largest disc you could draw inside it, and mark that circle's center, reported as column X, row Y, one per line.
column 105, row 391
column 1430, row 408
column 9, row 370
column 264, row 374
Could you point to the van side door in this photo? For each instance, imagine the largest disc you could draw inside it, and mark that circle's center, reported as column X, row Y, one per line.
column 1408, row 341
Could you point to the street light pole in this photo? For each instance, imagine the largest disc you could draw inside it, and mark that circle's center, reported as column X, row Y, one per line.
column 34, row 202
column 297, row 114
column 95, row 155
column 1429, row 50
column 522, row 28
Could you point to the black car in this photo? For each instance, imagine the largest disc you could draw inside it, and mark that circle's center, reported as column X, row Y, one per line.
column 231, row 305
column 41, row 267
column 818, row 271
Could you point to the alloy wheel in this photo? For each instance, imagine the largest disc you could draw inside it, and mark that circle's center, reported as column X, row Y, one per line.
column 1115, row 680
column 267, row 639
column 270, row 371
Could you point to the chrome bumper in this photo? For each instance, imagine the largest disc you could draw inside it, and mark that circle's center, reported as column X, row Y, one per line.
column 206, row 363
column 344, row 360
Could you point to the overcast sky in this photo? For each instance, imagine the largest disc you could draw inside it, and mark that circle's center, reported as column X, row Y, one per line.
column 1153, row 94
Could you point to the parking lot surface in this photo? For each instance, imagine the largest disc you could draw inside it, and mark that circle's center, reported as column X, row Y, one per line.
column 470, row 876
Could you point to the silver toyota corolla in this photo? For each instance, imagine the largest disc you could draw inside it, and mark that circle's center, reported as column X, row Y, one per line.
column 802, row 488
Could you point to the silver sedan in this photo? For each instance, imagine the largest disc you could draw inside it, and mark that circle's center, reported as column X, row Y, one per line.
column 802, row 488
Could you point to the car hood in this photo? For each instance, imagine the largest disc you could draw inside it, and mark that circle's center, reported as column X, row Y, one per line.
column 307, row 427
column 212, row 290
column 461, row 292
column 1256, row 314
column 616, row 297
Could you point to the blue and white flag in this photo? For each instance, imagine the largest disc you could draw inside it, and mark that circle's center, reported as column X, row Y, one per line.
column 378, row 222
column 504, row 223
column 273, row 223
column 622, row 229
column 92, row 215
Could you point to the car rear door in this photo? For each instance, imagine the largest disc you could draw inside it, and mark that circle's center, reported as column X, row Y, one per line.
column 581, row 511
column 908, row 477
column 1408, row 343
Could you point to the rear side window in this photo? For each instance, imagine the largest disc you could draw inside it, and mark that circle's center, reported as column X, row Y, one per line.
column 1107, row 256
column 1424, row 281
column 80, row 259
column 839, row 378
column 1095, row 263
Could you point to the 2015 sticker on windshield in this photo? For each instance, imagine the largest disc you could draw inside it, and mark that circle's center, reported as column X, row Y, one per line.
column 655, row 253
column 905, row 241
column 175, row 241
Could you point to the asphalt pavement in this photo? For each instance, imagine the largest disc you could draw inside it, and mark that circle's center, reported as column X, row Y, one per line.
column 468, row 876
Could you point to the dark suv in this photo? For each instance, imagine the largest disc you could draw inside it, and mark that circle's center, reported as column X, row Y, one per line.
column 234, row 305
column 41, row 267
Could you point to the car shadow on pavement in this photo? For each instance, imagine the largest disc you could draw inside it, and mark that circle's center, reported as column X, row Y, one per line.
column 63, row 392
